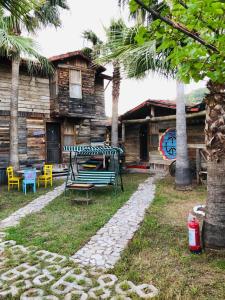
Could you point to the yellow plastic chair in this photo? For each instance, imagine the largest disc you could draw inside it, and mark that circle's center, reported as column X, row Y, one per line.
column 12, row 180
column 47, row 177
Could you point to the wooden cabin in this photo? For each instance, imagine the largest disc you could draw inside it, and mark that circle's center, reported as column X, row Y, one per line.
column 143, row 126
column 77, row 104
column 67, row 109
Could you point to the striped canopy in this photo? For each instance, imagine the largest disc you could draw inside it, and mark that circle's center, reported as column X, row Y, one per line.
column 93, row 150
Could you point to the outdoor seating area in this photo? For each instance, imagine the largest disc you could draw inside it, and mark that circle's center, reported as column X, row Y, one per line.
column 107, row 175
column 29, row 178
column 112, row 150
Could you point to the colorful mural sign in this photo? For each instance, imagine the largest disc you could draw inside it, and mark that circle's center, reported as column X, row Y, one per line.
column 167, row 144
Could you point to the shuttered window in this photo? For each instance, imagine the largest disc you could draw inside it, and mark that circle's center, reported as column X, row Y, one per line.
column 75, row 84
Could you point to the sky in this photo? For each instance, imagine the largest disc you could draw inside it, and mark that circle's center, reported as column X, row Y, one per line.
column 95, row 15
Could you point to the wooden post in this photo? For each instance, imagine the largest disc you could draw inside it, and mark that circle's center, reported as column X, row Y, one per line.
column 123, row 133
column 198, row 164
column 152, row 114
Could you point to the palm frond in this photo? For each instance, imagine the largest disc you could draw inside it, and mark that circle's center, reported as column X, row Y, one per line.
column 39, row 65
column 60, row 3
column 18, row 8
column 18, row 46
column 137, row 59
column 92, row 37
column 48, row 13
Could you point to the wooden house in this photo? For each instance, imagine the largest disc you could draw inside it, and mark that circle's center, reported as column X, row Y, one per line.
column 77, row 104
column 143, row 126
column 67, row 109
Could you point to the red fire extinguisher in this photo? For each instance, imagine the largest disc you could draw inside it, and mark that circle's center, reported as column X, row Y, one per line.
column 194, row 235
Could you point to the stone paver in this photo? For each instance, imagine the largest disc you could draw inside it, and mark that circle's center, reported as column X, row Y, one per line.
column 30, row 274
column 104, row 249
column 34, row 206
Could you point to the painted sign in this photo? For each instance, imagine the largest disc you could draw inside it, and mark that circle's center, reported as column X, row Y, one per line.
column 167, row 144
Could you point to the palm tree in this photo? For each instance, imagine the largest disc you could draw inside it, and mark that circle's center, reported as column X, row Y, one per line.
column 96, row 42
column 138, row 60
column 115, row 29
column 101, row 54
column 33, row 17
column 183, row 176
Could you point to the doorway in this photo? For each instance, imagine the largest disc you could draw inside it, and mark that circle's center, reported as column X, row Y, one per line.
column 144, row 143
column 53, row 143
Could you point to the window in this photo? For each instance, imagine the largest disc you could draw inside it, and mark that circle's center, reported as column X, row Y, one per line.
column 54, row 86
column 75, row 84
column 69, row 134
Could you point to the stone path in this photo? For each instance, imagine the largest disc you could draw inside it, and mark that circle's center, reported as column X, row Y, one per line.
column 104, row 249
column 34, row 206
column 27, row 273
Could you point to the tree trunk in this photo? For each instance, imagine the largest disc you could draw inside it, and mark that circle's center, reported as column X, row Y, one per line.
column 14, row 153
column 214, row 223
column 115, row 100
column 183, row 174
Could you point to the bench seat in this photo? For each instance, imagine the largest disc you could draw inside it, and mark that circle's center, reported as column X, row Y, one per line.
column 96, row 177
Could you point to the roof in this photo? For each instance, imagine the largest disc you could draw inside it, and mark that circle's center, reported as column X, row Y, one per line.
column 160, row 103
column 169, row 104
column 90, row 150
column 68, row 55
column 80, row 53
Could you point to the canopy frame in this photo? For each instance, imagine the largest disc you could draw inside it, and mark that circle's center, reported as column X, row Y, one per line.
column 88, row 151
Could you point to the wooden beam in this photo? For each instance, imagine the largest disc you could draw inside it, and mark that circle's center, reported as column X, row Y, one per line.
column 196, row 146
column 173, row 117
column 198, row 165
column 137, row 121
column 165, row 118
column 123, row 133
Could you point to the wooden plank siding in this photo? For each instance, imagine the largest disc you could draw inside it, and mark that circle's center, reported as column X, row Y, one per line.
column 81, row 121
column 195, row 136
column 33, row 111
column 85, row 115
column 33, row 92
column 92, row 103
column 132, row 143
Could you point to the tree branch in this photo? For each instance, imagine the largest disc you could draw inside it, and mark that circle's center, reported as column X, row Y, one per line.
column 177, row 26
column 210, row 27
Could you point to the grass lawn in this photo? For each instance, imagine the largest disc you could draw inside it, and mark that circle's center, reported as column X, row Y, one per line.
column 63, row 227
column 159, row 254
column 14, row 199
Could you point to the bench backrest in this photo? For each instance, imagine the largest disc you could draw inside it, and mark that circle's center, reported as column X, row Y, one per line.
column 96, row 177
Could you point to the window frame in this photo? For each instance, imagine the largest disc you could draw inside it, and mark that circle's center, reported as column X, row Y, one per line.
column 75, row 83
column 72, row 134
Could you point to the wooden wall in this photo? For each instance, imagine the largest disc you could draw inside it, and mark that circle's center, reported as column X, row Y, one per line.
column 86, row 115
column 33, row 111
column 33, row 92
column 195, row 134
column 4, row 140
column 31, row 133
column 132, row 143
column 92, row 103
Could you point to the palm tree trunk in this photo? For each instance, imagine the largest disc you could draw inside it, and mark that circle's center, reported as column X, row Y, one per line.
column 183, row 176
column 115, row 100
column 14, row 153
column 214, row 223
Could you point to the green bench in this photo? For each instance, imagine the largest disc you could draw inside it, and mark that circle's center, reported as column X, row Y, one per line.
column 96, row 178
